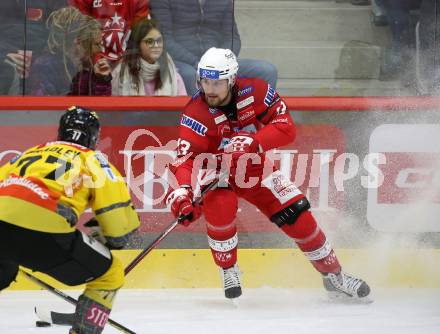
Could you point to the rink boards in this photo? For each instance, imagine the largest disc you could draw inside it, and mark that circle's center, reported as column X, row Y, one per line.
column 280, row 268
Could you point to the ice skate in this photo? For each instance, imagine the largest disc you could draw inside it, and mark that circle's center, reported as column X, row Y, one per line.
column 231, row 282
column 343, row 285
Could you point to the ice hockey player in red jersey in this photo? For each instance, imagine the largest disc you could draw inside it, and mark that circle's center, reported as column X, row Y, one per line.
column 233, row 118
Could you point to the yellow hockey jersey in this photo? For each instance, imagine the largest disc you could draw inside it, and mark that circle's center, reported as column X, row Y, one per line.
column 49, row 186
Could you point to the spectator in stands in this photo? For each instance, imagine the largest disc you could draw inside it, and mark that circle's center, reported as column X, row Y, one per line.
column 72, row 64
column 22, row 36
column 146, row 68
column 191, row 27
column 398, row 62
column 116, row 18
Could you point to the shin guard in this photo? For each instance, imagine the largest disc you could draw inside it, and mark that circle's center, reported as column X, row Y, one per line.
column 222, row 232
column 90, row 316
column 312, row 241
column 95, row 304
column 224, row 252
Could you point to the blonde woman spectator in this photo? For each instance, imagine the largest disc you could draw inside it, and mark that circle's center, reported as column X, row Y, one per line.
column 146, row 69
column 72, row 64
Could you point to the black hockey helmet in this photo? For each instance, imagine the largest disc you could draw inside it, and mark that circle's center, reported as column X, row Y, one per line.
column 81, row 126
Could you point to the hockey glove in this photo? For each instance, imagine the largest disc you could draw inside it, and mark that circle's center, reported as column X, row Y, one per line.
column 95, row 232
column 241, row 143
column 183, row 207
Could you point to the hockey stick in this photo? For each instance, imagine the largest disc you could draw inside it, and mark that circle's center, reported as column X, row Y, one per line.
column 71, row 300
column 171, row 227
column 66, row 319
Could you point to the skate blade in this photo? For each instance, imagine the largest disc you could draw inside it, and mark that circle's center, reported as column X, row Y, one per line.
column 234, row 302
column 342, row 298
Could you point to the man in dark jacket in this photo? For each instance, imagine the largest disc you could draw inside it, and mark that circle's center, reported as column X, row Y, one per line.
column 191, row 27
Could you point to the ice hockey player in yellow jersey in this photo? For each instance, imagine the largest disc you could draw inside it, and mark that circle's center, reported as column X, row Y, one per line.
column 43, row 192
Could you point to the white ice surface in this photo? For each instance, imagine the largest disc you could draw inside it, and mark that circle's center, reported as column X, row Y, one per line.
column 265, row 311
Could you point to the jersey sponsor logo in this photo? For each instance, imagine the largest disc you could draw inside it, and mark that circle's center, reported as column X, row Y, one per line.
column 320, row 253
column 97, row 3
column 18, row 181
column 270, row 94
column 229, row 56
column 246, row 115
column 245, row 102
column 223, row 257
column 280, row 120
column 220, row 119
column 246, row 90
column 194, row 125
column 280, row 185
column 205, row 73
column 223, row 246
column 275, row 101
column 103, row 162
column 97, row 316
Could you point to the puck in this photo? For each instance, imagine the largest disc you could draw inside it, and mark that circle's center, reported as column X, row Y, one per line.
column 40, row 323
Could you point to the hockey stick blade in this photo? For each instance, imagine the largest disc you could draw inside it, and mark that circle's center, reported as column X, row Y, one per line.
column 54, row 318
column 70, row 300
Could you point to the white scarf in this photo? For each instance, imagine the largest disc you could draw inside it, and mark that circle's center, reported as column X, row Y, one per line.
column 124, row 85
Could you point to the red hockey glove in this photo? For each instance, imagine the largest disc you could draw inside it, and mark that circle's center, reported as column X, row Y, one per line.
column 182, row 206
column 241, row 143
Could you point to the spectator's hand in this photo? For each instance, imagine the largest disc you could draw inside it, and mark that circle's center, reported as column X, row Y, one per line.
column 21, row 63
column 102, row 67
column 182, row 206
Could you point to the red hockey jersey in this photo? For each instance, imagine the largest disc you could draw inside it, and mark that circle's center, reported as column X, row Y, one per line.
column 256, row 108
column 116, row 17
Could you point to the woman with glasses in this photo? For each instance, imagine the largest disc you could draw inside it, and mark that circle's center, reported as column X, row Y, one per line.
column 146, row 68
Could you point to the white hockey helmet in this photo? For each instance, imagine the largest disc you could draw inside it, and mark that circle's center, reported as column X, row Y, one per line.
column 218, row 64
